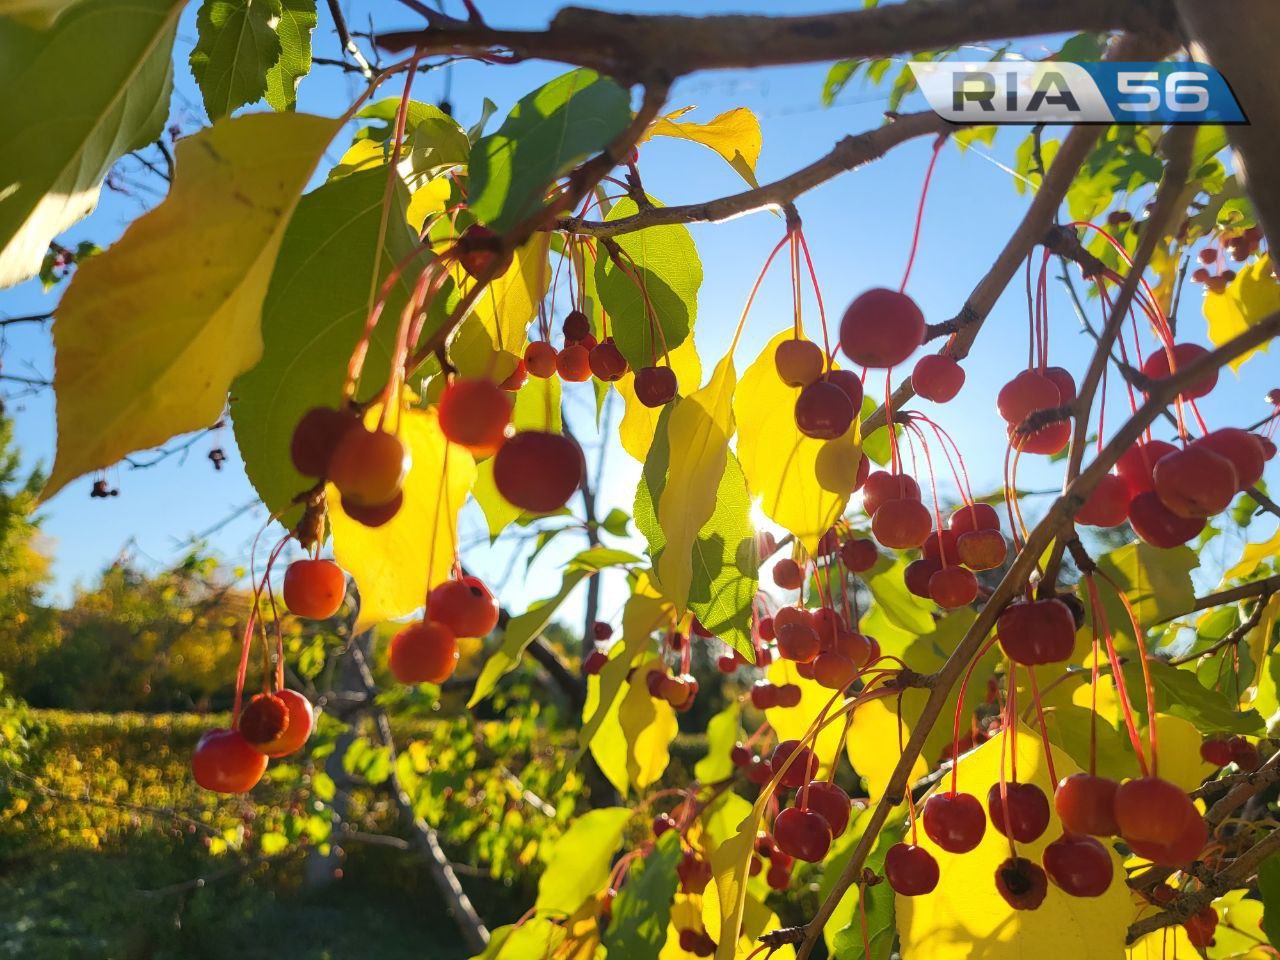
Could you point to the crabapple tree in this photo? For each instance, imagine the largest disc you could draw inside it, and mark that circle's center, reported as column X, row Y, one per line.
column 958, row 722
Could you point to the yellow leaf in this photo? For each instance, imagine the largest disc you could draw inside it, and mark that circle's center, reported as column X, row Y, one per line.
column 1179, row 754
column 1254, row 554
column 1166, row 944
column 874, row 745
column 757, row 919
column 646, row 611
column 394, row 565
column 698, row 430
column 1263, row 696
column 792, row 723
column 150, row 334
column 430, row 198
column 1252, row 296
column 1166, row 263
column 649, row 726
column 363, row 154
column 506, row 306
column 966, row 909
column 801, row 483
column 734, row 134
column 639, row 423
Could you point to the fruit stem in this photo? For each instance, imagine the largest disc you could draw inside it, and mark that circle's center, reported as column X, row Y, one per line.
column 955, row 727
column 1117, row 676
column 1044, row 728
column 944, row 438
column 817, row 294
column 1140, row 637
column 924, row 192
column 755, row 287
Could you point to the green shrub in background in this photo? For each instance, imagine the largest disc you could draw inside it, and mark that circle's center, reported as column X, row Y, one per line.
column 103, row 836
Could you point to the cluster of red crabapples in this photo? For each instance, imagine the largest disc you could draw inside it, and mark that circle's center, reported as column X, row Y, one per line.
column 1211, row 271
column 278, row 721
column 582, row 356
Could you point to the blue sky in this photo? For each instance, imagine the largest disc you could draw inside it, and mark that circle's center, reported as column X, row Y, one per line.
column 858, row 228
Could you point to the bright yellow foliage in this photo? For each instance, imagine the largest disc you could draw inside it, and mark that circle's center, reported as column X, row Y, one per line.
column 151, row 333
column 966, row 909
column 801, row 483
column 698, row 431
column 639, row 423
column 1252, row 296
column 394, row 565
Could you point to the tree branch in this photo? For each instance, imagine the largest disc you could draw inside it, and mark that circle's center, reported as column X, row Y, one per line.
column 850, row 153
column 630, row 46
column 1254, row 588
column 349, row 46
column 1236, row 873
column 424, row 837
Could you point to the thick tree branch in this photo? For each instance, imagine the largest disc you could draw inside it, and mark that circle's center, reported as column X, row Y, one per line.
column 631, row 46
column 1238, row 872
column 848, row 154
column 1237, row 37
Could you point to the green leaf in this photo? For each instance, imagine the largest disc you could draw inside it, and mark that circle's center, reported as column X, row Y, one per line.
column 615, row 523
column 1179, row 693
column 487, row 109
column 548, row 132
column 40, row 14
column 1269, row 888
column 524, row 629
column 664, row 265
column 1156, row 582
column 642, row 911
column 151, row 333
column 236, row 46
column 847, row 941
column 115, row 55
column 722, row 734
column 579, row 862
column 838, row 77
column 297, row 20
column 725, row 563
column 900, row 606
column 535, row 939
column 1083, row 47
column 332, row 262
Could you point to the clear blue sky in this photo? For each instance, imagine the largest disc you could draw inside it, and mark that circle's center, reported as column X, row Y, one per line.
column 858, row 227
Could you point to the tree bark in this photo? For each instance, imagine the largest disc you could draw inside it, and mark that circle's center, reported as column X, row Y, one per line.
column 1238, row 37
